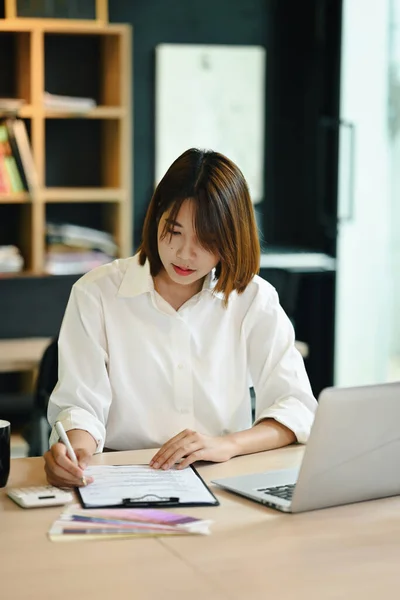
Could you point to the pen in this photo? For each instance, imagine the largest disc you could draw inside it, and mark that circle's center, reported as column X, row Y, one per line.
column 70, row 451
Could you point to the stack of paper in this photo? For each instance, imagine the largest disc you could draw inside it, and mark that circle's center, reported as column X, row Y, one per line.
column 69, row 103
column 76, row 523
column 11, row 260
column 76, row 249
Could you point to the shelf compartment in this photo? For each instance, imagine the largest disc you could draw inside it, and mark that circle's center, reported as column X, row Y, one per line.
column 83, row 153
column 71, row 13
column 82, row 10
column 97, row 216
column 15, row 53
column 84, row 66
column 16, row 229
column 85, row 214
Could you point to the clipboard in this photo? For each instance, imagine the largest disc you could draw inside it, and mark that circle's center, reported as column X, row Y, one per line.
column 141, row 486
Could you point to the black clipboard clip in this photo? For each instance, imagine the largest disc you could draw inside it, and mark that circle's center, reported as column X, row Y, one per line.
column 150, row 500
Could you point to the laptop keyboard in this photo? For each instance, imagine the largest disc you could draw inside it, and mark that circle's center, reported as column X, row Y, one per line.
column 281, row 491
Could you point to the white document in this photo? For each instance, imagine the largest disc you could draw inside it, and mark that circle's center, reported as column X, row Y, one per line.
column 135, row 484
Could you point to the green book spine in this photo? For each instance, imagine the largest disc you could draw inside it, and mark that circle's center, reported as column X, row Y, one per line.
column 13, row 173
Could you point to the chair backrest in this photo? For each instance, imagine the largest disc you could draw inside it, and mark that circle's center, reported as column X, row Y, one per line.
column 37, row 430
column 47, row 376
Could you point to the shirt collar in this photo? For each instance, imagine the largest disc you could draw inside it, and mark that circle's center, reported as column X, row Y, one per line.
column 137, row 280
column 209, row 285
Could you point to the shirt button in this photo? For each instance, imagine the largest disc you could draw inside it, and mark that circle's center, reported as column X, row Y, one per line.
column 180, row 366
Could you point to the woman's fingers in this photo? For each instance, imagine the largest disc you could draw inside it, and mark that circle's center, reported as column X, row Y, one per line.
column 60, row 469
column 55, row 477
column 62, row 460
column 180, row 452
column 58, row 476
column 170, row 447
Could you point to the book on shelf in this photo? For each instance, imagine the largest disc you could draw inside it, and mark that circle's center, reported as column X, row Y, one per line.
column 10, row 178
column 17, row 168
column 5, row 185
column 22, row 151
column 68, row 103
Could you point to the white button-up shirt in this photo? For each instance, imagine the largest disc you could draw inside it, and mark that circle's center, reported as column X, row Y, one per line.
column 134, row 372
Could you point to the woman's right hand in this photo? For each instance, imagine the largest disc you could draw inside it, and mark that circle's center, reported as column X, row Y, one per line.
column 61, row 471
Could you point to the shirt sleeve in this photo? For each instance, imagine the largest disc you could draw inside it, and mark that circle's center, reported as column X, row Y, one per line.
column 280, row 381
column 82, row 396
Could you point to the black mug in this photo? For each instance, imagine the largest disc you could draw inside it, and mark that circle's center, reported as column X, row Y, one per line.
column 5, row 430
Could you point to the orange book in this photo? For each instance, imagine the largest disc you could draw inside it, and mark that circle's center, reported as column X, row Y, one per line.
column 5, row 184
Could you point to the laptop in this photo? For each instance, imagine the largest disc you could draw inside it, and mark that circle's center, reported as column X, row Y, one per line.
column 352, row 455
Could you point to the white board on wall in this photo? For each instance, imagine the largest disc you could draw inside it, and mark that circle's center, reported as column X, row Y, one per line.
column 212, row 97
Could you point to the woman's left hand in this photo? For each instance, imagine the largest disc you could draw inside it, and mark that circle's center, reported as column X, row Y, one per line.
column 192, row 446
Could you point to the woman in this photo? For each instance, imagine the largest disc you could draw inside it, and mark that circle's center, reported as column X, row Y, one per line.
column 158, row 350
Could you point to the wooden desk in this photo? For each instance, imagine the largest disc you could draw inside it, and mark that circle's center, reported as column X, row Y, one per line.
column 345, row 553
column 21, row 354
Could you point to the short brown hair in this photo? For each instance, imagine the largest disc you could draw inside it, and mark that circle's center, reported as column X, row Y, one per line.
column 224, row 217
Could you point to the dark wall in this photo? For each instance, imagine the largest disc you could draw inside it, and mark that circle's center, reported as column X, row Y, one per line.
column 302, row 42
column 176, row 21
column 303, row 92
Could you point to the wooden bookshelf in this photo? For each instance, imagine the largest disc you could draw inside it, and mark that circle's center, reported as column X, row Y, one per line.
column 81, row 159
column 84, row 195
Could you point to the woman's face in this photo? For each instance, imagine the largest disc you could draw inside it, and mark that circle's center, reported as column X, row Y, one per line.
column 184, row 259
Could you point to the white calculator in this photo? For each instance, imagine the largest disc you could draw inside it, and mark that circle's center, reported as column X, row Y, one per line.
column 35, row 497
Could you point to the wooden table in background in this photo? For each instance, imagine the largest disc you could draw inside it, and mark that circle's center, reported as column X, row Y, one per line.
column 18, row 355
column 25, row 354
column 22, row 356
column 345, row 553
